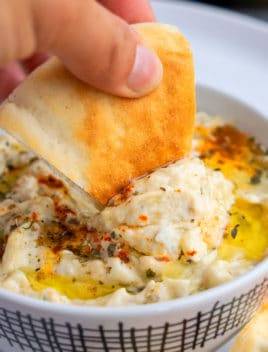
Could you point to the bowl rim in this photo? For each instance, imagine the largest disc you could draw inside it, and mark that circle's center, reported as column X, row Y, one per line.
column 257, row 273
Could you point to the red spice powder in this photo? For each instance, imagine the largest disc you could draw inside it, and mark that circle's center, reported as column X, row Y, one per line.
column 143, row 217
column 123, row 256
column 191, row 253
column 107, row 238
column 62, row 211
column 164, row 258
column 50, row 181
column 34, row 216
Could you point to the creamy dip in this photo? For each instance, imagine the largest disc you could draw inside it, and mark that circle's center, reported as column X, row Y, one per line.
column 186, row 227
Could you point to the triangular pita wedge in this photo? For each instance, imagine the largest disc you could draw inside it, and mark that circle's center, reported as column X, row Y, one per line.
column 97, row 140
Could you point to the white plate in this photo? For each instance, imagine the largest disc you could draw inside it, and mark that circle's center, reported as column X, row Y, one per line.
column 230, row 50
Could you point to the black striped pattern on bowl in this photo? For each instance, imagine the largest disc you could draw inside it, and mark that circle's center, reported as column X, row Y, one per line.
column 45, row 335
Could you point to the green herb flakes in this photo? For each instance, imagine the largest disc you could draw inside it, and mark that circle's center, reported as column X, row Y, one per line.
column 113, row 235
column 111, row 249
column 234, row 231
column 95, row 253
column 256, row 178
column 150, row 273
column 29, row 226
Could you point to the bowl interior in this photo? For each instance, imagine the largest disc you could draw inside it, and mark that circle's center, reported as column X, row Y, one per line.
column 202, row 322
column 242, row 115
column 247, row 119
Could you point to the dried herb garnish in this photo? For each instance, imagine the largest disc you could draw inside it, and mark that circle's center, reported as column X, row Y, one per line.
column 111, row 249
column 29, row 226
column 13, row 227
column 83, row 250
column 150, row 273
column 113, row 235
column 256, row 178
column 95, row 253
column 73, row 221
column 163, row 189
column 234, row 231
column 3, row 242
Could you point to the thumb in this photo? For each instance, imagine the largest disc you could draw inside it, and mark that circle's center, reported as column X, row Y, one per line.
column 97, row 46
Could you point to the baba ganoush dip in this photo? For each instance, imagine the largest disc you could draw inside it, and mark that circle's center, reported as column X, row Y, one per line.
column 186, row 227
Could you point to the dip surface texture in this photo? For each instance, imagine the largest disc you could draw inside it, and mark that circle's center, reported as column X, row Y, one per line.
column 186, row 227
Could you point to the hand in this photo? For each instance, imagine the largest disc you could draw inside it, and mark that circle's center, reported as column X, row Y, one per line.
column 89, row 37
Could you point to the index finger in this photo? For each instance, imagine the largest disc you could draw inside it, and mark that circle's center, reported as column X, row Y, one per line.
column 131, row 11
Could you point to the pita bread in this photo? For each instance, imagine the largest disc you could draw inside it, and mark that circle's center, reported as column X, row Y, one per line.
column 254, row 337
column 100, row 141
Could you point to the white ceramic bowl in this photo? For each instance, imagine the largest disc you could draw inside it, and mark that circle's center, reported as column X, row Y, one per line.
column 200, row 322
column 230, row 55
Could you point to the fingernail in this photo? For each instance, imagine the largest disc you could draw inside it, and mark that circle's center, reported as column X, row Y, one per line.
column 146, row 73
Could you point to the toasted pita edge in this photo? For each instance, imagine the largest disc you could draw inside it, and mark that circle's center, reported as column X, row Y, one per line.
column 49, row 112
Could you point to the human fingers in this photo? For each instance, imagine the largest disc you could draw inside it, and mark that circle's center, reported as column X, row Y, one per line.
column 35, row 60
column 96, row 45
column 10, row 77
column 99, row 47
column 12, row 74
column 131, row 11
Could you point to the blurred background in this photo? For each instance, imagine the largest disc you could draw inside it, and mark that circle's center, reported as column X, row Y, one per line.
column 256, row 8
